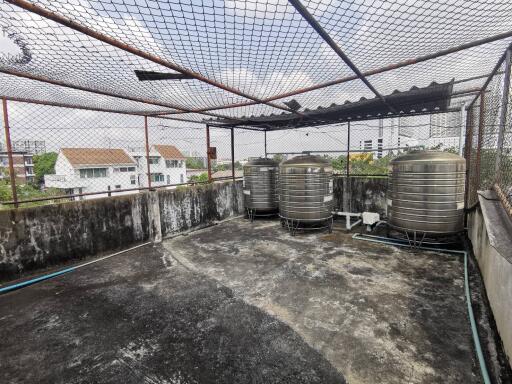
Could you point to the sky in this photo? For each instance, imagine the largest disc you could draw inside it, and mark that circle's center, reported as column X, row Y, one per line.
column 260, row 47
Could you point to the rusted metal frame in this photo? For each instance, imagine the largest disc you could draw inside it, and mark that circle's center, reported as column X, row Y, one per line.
column 41, row 11
column 137, row 189
column 491, row 75
column 73, row 106
column 335, row 47
column 503, row 114
column 209, row 163
column 146, row 139
column 372, row 72
column 481, row 128
column 467, row 153
column 233, row 153
column 61, row 83
column 348, row 150
column 12, row 175
column 265, row 132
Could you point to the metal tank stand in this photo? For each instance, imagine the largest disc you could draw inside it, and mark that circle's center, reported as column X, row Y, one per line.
column 252, row 213
column 293, row 225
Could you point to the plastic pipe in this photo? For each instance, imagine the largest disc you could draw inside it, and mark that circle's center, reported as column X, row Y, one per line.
column 472, row 321
column 38, row 279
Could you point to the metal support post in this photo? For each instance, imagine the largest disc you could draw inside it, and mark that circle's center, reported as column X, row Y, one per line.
column 233, row 153
column 265, row 132
column 348, row 150
column 504, row 111
column 147, row 150
column 481, row 123
column 462, row 126
column 208, row 153
column 12, row 175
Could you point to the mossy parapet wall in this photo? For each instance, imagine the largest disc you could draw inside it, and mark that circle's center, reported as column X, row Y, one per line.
column 37, row 237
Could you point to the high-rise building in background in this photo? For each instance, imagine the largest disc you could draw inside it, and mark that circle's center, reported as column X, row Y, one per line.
column 445, row 125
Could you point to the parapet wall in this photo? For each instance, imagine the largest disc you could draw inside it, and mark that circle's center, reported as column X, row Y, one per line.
column 37, row 237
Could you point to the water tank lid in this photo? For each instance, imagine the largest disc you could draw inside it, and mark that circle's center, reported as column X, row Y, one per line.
column 261, row 161
column 306, row 161
column 428, row 156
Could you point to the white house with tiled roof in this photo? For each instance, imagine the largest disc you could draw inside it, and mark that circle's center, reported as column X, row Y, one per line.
column 168, row 166
column 86, row 170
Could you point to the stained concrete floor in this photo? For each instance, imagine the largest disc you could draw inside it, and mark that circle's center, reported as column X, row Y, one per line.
column 245, row 303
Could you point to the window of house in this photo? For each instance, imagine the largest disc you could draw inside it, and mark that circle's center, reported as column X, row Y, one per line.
column 28, row 160
column 182, row 179
column 157, row 177
column 154, row 159
column 118, row 186
column 127, row 169
column 168, row 179
column 93, row 172
column 173, row 163
column 132, row 179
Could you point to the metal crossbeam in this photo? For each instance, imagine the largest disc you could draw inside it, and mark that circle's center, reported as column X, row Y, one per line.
column 43, row 12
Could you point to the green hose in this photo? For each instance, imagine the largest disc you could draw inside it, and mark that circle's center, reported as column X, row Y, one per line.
column 472, row 321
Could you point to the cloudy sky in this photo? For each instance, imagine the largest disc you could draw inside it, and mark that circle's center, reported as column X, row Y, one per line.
column 262, row 48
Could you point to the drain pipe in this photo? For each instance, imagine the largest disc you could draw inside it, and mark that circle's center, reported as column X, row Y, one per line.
column 472, row 321
column 38, row 279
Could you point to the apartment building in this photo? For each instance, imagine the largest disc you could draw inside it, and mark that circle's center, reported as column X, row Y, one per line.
column 22, row 163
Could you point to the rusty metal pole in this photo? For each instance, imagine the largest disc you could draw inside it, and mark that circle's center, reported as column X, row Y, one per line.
column 12, row 175
column 265, row 143
column 503, row 115
column 348, row 150
column 147, row 150
column 233, row 153
column 208, row 153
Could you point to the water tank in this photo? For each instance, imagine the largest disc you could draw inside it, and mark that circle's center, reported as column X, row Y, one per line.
column 260, row 185
column 305, row 189
column 426, row 192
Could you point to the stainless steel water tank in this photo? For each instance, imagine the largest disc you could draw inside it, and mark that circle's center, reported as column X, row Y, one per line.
column 305, row 189
column 260, row 185
column 426, row 192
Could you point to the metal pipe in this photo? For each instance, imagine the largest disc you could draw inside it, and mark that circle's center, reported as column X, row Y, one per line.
column 467, row 155
column 335, row 47
column 376, row 71
column 146, row 137
column 503, row 114
column 208, row 153
column 138, row 189
column 462, row 126
column 73, row 106
column 481, row 123
column 12, row 175
column 233, row 154
column 41, row 11
column 348, row 151
column 265, row 132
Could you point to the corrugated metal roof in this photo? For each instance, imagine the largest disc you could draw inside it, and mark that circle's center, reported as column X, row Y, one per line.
column 431, row 99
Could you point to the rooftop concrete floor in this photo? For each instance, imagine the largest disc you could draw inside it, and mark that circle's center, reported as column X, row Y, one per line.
column 245, row 303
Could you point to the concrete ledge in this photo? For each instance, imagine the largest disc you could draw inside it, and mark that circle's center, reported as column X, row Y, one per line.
column 490, row 231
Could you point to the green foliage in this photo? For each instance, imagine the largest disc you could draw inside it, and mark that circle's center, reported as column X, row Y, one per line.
column 26, row 192
column 220, row 167
column 44, row 164
column 194, row 163
column 339, row 163
column 203, row 177
column 278, row 157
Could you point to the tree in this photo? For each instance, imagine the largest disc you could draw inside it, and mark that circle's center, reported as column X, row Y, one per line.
column 44, row 164
column 194, row 163
column 278, row 157
column 203, row 177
